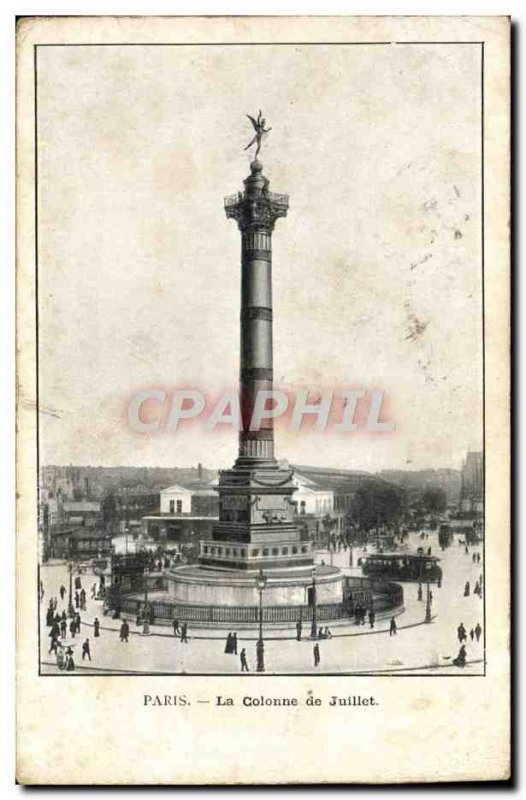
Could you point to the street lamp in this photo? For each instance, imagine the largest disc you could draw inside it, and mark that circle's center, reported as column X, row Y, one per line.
column 261, row 582
column 314, row 626
column 428, row 604
column 146, row 622
column 71, row 610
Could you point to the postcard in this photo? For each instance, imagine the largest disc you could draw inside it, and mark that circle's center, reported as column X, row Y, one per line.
column 263, row 400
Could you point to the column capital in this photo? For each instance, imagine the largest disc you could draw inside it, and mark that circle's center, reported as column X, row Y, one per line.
column 256, row 208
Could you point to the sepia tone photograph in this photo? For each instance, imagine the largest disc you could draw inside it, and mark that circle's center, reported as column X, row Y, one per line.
column 344, row 537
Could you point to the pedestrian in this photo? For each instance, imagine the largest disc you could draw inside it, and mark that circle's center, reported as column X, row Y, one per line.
column 85, row 650
column 474, row 558
column 78, row 584
column 393, row 631
column 184, row 632
column 229, row 644
column 70, row 664
column 476, row 589
column 460, row 660
column 55, row 631
column 327, row 634
column 96, row 628
column 316, row 653
column 54, row 645
column 124, row 632
column 63, row 628
column 77, row 622
column 243, row 660
column 77, row 600
column 73, row 628
column 461, row 633
column 175, row 626
column 298, row 630
column 371, row 618
column 419, row 595
column 466, row 551
column 83, row 599
column 62, row 592
column 478, row 631
column 466, row 589
column 472, row 634
column 93, row 591
column 478, row 558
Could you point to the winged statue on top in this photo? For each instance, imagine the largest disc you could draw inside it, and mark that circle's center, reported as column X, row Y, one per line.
column 259, row 127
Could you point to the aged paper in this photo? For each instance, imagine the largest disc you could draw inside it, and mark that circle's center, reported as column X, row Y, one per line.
column 263, row 400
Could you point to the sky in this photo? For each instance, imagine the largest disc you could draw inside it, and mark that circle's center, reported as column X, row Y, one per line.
column 376, row 269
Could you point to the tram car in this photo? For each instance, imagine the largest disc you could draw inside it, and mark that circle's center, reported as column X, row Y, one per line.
column 412, row 568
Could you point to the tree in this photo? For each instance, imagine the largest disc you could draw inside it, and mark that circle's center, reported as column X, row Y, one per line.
column 378, row 505
column 434, row 500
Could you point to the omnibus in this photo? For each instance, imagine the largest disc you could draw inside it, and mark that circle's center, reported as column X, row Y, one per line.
column 392, row 566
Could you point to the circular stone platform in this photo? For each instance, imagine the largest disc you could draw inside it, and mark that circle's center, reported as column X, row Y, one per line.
column 196, row 585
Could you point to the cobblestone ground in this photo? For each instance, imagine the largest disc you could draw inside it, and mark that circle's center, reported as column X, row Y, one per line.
column 418, row 647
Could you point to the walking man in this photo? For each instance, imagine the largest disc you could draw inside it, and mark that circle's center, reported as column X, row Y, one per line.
column 298, row 630
column 73, row 628
column 371, row 618
column 62, row 592
column 184, row 632
column 63, row 628
column 96, row 627
column 85, row 650
column 461, row 633
column 243, row 660
column 124, row 632
column 393, row 631
column 175, row 626
column 478, row 631
column 316, row 653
